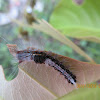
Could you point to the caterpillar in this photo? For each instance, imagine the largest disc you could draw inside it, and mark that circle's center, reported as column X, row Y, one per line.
column 41, row 57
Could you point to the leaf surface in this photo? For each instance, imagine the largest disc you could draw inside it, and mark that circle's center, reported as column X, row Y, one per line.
column 84, row 94
column 50, row 80
column 77, row 20
column 22, row 87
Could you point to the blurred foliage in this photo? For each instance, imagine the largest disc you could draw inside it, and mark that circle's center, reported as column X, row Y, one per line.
column 10, row 66
column 4, row 5
column 4, row 55
column 8, row 32
column 92, row 49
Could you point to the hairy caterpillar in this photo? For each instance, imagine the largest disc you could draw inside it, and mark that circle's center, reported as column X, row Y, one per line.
column 41, row 57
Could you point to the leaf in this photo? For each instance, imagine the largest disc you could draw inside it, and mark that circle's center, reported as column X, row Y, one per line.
column 10, row 72
column 77, row 20
column 50, row 79
column 48, row 29
column 23, row 88
column 11, row 69
column 90, row 38
column 84, row 94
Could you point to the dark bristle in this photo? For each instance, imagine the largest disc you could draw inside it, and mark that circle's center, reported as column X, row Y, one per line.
column 39, row 59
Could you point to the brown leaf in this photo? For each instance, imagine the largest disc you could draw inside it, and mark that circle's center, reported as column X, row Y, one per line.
column 23, row 88
column 55, row 83
column 12, row 49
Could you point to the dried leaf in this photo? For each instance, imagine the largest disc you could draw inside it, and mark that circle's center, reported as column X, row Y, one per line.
column 23, row 88
column 52, row 81
column 12, row 49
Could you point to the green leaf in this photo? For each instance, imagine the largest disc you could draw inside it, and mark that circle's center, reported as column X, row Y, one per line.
column 77, row 20
column 10, row 72
column 84, row 94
